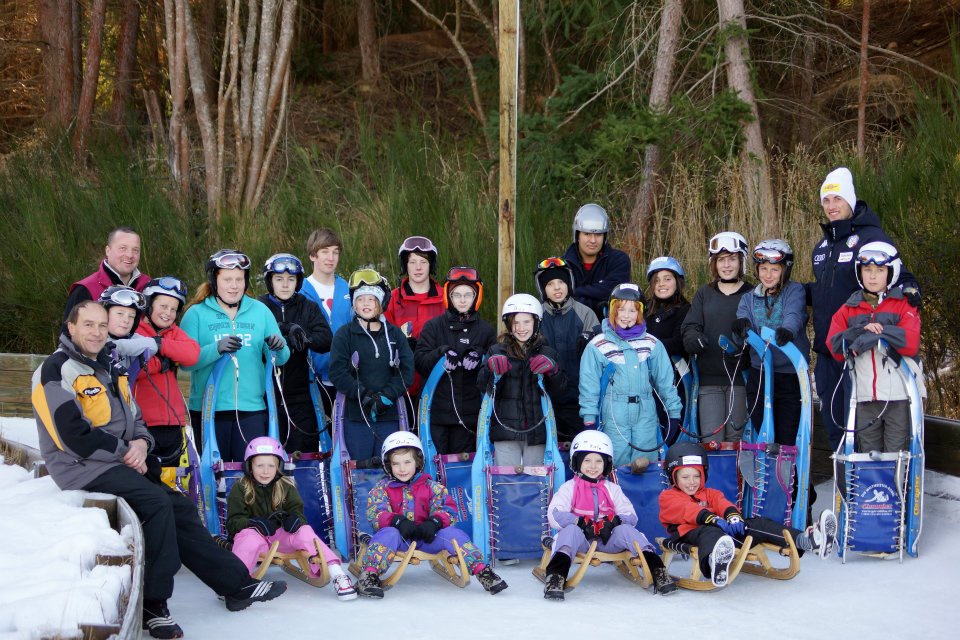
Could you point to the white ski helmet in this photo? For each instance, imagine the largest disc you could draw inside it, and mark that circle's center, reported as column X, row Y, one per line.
column 590, row 218
column 729, row 242
column 882, row 254
column 522, row 303
column 400, row 440
column 591, row 441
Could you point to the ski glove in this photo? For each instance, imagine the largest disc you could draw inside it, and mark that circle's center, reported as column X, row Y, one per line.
column 740, row 327
column 695, row 344
column 274, row 342
column 783, row 336
column 673, row 431
column 229, row 344
column 471, row 360
column 165, row 364
column 736, row 524
column 136, row 346
column 912, row 295
column 451, row 360
column 265, row 526
column 297, row 337
column 292, row 523
column 406, row 527
column 498, row 364
column 606, row 529
column 374, row 403
column 542, row 364
column 427, row 530
column 586, row 525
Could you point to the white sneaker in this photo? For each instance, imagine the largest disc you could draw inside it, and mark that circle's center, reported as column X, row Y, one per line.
column 828, row 529
column 343, row 587
column 720, row 559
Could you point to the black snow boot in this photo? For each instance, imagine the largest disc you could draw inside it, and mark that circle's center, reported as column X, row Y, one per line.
column 259, row 591
column 491, row 582
column 663, row 583
column 556, row 576
column 369, row 585
column 157, row 621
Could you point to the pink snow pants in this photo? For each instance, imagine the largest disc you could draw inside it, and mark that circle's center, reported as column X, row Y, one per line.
column 249, row 543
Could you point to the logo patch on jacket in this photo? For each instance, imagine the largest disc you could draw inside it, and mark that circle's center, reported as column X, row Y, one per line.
column 853, row 240
column 92, row 391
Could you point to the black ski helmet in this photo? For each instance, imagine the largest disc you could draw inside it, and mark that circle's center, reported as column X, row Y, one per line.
column 227, row 259
column 122, row 296
column 165, row 286
column 685, row 454
column 553, row 268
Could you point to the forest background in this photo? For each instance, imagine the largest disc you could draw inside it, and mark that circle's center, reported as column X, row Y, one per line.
column 248, row 123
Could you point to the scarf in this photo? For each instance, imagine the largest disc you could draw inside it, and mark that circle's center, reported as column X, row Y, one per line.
column 591, row 499
column 635, row 331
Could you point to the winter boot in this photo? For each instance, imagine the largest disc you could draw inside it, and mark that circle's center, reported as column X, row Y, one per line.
column 260, row 591
column 663, row 582
column 720, row 559
column 369, row 585
column 828, row 528
column 556, row 576
column 491, row 582
column 157, row 620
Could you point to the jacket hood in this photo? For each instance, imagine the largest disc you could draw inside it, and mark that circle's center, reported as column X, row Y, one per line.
column 554, row 310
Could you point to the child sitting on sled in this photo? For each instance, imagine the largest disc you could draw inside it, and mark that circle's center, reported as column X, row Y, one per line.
column 877, row 312
column 264, row 506
column 590, row 508
column 408, row 506
column 692, row 513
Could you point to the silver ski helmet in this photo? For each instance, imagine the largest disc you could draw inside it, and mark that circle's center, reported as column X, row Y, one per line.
column 774, row 251
column 591, row 218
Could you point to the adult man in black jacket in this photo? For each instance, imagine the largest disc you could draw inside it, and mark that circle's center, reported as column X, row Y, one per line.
column 597, row 267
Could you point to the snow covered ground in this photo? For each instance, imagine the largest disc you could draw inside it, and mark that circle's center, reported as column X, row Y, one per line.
column 866, row 598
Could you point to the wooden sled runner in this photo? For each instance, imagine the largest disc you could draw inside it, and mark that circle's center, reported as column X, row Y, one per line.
column 296, row 564
column 758, row 562
column 452, row 568
column 632, row 566
column 696, row 580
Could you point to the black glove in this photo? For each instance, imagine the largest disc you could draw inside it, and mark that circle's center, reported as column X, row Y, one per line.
column 274, row 342
column 607, row 529
column 154, row 469
column 374, row 403
column 783, row 336
column 229, row 344
column 266, row 526
column 673, row 431
column 912, row 294
column 406, row 527
column 291, row 523
column 740, row 327
column 427, row 530
column 165, row 363
column 297, row 338
column 586, row 525
column 158, row 339
column 695, row 344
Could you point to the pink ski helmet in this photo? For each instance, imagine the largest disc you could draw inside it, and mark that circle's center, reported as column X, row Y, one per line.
column 263, row 446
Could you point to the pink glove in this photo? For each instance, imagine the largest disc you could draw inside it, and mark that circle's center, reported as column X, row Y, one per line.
column 498, row 364
column 542, row 364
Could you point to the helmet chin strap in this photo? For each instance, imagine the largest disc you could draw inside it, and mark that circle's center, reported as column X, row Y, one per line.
column 729, row 280
column 230, row 305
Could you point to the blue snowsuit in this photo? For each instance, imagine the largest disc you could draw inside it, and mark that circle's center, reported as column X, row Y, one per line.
column 629, row 410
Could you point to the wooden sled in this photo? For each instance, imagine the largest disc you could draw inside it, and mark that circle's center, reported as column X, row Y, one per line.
column 630, row 564
column 758, row 562
column 452, row 568
column 696, row 580
column 296, row 564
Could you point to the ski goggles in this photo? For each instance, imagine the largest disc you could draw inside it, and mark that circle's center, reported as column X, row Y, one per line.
column 169, row 283
column 231, row 260
column 124, row 298
column 552, row 263
column 772, row 256
column 284, row 263
column 875, row 256
column 728, row 244
column 463, row 273
column 362, row 277
column 418, row 243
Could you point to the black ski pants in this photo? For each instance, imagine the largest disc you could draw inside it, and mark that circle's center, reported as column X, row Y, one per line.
column 705, row 538
column 172, row 533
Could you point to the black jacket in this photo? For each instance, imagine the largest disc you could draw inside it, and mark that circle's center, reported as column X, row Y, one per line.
column 300, row 310
column 565, row 329
column 517, row 402
column 376, row 371
column 665, row 326
column 593, row 287
column 834, row 262
column 711, row 315
column 462, row 334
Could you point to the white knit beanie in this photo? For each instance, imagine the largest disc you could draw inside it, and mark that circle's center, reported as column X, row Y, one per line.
column 369, row 290
column 840, row 182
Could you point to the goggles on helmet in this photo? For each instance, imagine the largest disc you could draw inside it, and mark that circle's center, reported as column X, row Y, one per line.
column 468, row 274
column 772, row 256
column 361, row 277
column 418, row 243
column 552, row 262
column 284, row 263
column 124, row 298
column 169, row 283
column 875, row 256
column 726, row 243
column 231, row 260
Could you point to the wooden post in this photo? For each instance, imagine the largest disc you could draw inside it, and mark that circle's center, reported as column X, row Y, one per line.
column 507, row 53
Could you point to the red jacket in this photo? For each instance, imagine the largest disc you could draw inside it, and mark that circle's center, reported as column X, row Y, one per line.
column 681, row 514
column 415, row 308
column 157, row 393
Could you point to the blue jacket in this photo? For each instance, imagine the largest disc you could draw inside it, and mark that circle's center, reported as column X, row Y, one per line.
column 593, row 287
column 629, row 410
column 568, row 329
column 206, row 323
column 339, row 316
column 834, row 267
column 788, row 310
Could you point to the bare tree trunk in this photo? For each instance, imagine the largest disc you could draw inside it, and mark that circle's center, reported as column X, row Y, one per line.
column 756, row 171
column 261, row 86
column 805, row 122
column 369, row 45
column 76, row 59
column 178, row 151
column 328, row 37
column 201, row 103
column 55, row 20
column 660, row 87
column 864, row 80
column 126, row 60
column 91, row 75
column 208, row 34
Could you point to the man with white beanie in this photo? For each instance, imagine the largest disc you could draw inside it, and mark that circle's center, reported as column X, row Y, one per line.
column 850, row 224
